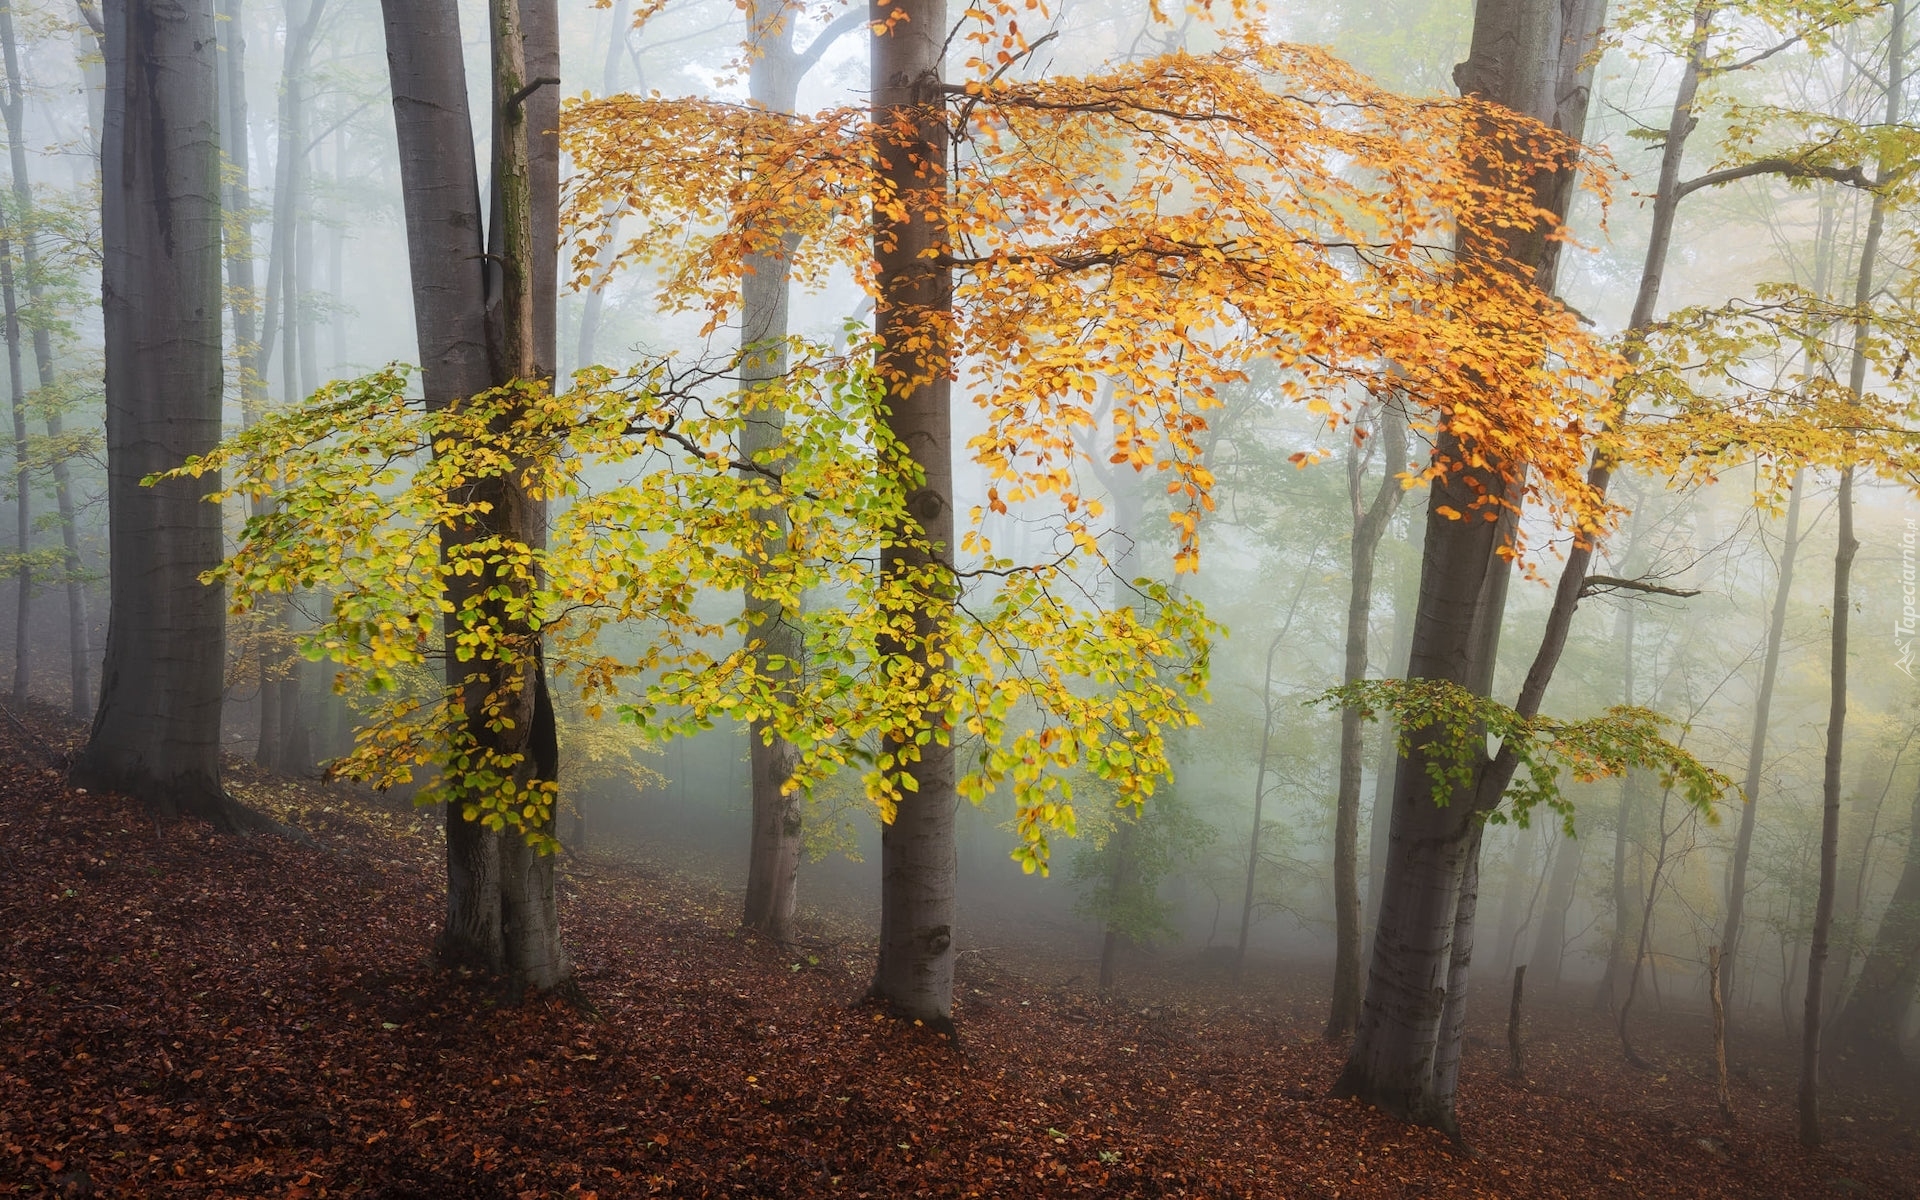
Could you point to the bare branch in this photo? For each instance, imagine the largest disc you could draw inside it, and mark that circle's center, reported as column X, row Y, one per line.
column 1596, row 584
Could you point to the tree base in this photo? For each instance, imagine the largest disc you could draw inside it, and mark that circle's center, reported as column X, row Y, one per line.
column 942, row 1025
column 198, row 798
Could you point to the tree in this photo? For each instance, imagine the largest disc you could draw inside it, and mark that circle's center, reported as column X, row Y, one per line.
column 1846, row 547
column 502, row 913
column 22, row 484
column 79, row 655
column 1406, row 1044
column 1305, row 240
column 156, row 734
column 1757, row 743
column 1369, row 524
column 1869, row 1025
column 774, row 71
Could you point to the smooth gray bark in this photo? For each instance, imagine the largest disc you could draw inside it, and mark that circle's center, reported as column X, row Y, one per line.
column 773, row 855
column 502, row 914
column 914, row 974
column 157, row 732
column 1550, row 944
column 593, row 308
column 1531, row 56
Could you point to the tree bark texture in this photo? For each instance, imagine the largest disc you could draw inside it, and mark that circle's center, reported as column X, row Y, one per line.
column 913, row 314
column 1528, row 55
column 502, row 914
column 156, row 734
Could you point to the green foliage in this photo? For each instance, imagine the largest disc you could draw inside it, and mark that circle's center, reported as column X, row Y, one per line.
column 1119, row 869
column 1455, row 727
column 658, row 511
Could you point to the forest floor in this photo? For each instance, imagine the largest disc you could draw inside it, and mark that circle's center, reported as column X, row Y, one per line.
column 186, row 1014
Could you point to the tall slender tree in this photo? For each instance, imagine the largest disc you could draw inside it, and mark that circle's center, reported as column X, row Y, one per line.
column 1369, row 525
column 775, row 69
column 1757, row 744
column 79, row 653
column 22, row 485
column 1531, row 56
column 913, row 315
column 1846, row 546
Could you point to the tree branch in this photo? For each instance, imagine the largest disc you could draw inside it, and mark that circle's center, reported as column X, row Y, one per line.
column 520, row 97
column 846, row 22
column 1595, row 584
column 1793, row 169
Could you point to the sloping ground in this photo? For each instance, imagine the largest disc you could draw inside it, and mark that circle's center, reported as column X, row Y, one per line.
column 189, row 1015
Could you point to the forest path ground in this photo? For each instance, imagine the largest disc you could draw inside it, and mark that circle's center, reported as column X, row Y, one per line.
column 184, row 1014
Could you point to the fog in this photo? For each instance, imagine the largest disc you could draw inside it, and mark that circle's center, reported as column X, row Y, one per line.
column 1705, row 545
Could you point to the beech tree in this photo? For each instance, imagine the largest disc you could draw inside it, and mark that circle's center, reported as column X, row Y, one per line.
column 775, row 68
column 156, row 734
column 480, row 328
column 1405, row 1052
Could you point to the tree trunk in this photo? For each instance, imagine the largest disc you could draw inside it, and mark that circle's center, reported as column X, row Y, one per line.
column 1550, row 945
column 1259, row 808
column 1118, row 883
column 1817, row 950
column 1631, row 785
column 79, row 656
column 1516, row 1048
column 1369, row 524
column 243, row 294
column 1405, row 599
column 1844, row 551
column 502, row 913
column 157, row 732
column 913, row 315
column 1757, row 745
column 1529, row 55
column 773, row 851
column 22, row 484
column 594, row 306
column 285, row 282
column 1717, row 1003
column 1869, row 1026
